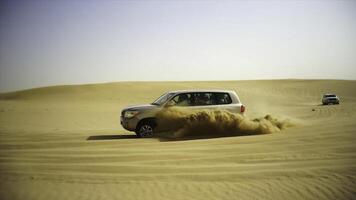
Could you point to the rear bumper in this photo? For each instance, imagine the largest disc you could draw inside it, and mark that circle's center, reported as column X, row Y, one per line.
column 327, row 101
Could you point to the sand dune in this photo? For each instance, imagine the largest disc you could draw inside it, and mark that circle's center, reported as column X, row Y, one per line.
column 66, row 142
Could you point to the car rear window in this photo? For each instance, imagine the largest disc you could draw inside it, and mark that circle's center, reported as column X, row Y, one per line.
column 330, row 95
column 222, row 98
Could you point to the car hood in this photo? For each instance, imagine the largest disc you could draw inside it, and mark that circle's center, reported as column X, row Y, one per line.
column 141, row 107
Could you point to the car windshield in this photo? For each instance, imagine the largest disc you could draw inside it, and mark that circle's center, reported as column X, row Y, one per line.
column 330, row 95
column 162, row 99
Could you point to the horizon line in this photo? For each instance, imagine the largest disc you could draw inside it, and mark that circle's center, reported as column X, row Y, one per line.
column 171, row 81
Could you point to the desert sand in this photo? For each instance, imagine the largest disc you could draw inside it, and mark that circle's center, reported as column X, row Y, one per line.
column 66, row 142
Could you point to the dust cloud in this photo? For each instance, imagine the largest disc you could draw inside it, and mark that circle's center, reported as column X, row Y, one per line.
column 180, row 122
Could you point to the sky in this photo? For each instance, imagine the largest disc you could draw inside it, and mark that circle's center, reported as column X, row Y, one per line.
column 45, row 43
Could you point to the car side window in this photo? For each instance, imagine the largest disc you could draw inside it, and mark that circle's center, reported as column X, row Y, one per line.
column 222, row 98
column 203, row 99
column 181, row 100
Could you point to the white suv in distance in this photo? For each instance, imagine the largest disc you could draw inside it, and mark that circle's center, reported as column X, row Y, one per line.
column 141, row 119
column 330, row 99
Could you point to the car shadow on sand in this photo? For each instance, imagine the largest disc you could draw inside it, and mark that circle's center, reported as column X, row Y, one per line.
column 111, row 137
column 201, row 137
column 163, row 138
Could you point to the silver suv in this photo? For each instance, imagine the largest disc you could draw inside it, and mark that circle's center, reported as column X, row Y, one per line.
column 330, row 99
column 141, row 119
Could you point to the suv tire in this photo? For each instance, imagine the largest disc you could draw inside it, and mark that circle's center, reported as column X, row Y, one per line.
column 145, row 129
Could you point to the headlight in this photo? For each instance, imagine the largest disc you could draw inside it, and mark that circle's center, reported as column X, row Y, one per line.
column 130, row 114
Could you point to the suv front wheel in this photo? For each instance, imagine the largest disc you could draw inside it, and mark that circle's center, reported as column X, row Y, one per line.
column 145, row 129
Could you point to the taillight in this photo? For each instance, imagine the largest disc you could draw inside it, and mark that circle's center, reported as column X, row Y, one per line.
column 242, row 108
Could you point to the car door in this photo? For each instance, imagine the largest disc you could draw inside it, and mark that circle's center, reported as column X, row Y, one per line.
column 180, row 100
column 203, row 100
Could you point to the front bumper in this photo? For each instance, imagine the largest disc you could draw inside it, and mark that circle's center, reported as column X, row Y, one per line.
column 129, row 123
